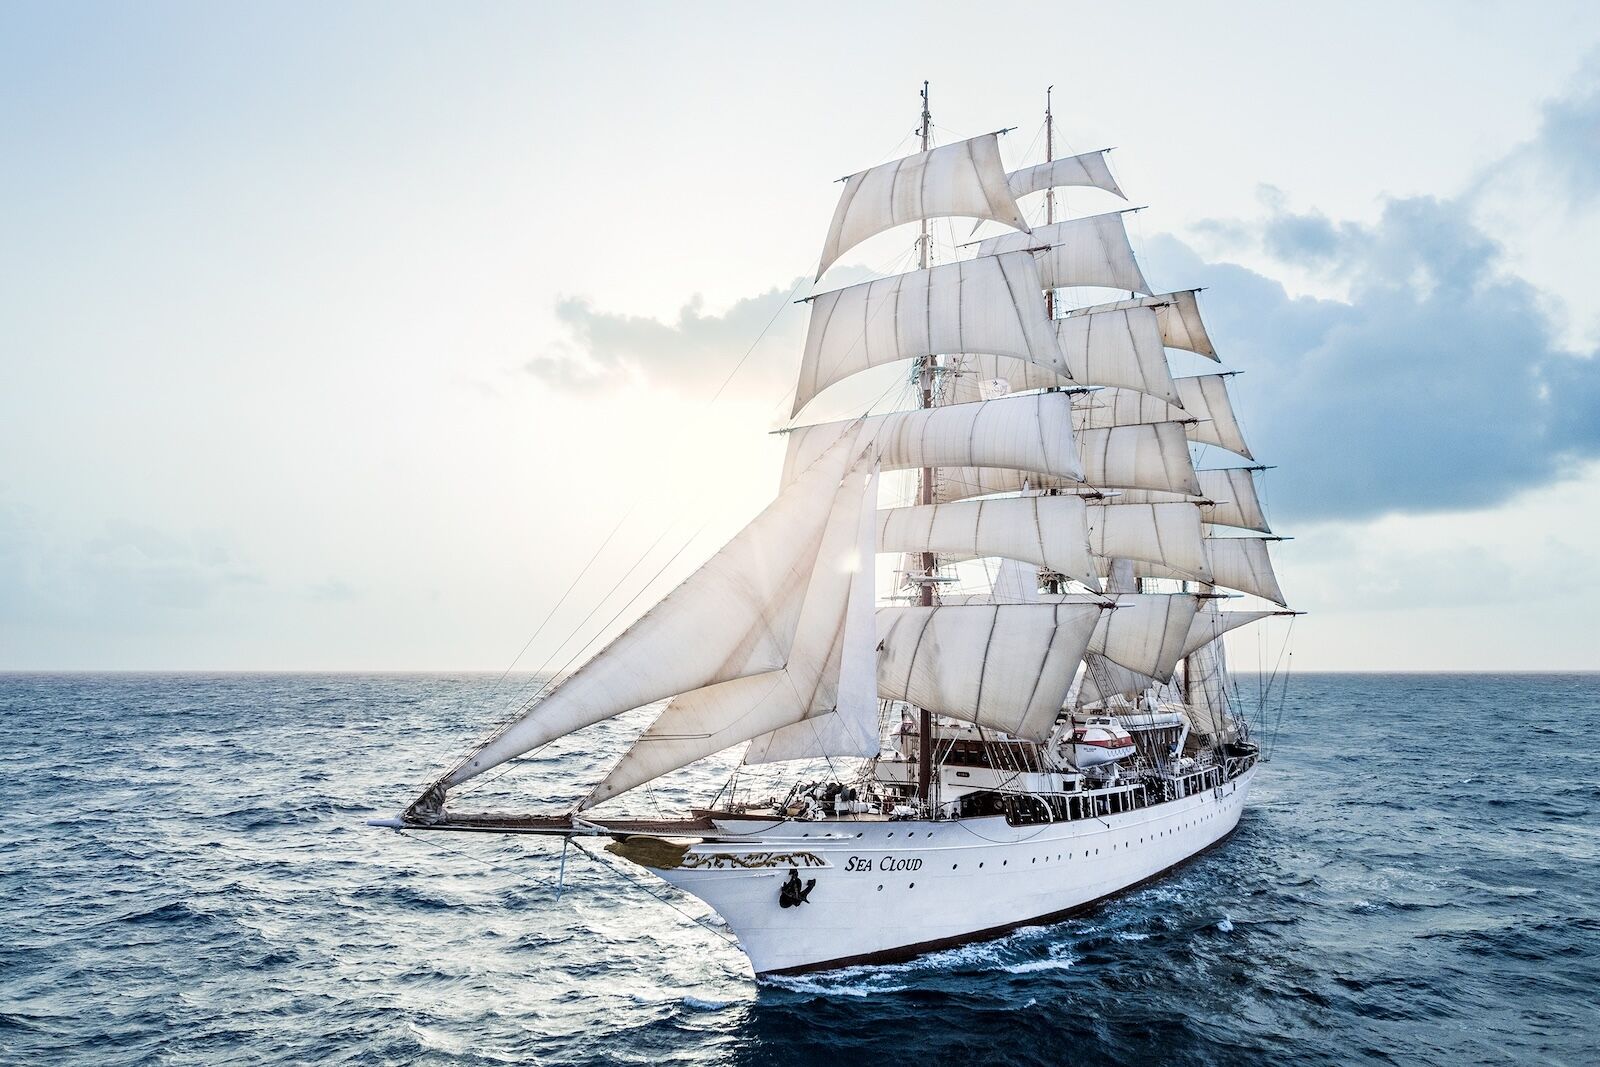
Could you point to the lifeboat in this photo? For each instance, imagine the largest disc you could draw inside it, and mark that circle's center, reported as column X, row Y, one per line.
column 1098, row 741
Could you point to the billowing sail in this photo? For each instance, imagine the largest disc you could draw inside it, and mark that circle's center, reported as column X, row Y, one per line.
column 964, row 178
column 1178, row 315
column 733, row 617
column 988, row 305
column 1048, row 531
column 1144, row 633
column 1101, row 409
column 1031, row 432
column 1087, row 251
column 1232, row 491
column 830, row 664
column 1206, row 692
column 1121, row 348
column 1240, row 563
column 1152, row 456
column 1228, row 497
column 1005, row 666
column 1088, row 169
column 1205, row 397
column 1210, row 624
column 1166, row 534
column 1103, row 679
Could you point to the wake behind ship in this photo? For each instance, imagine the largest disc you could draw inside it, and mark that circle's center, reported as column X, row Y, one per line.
column 994, row 757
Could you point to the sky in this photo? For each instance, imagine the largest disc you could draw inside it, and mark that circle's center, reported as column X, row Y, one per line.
column 424, row 337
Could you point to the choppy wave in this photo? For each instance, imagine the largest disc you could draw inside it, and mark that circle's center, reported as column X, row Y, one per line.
column 186, row 879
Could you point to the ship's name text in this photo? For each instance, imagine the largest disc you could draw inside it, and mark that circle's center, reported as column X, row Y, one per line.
column 887, row 863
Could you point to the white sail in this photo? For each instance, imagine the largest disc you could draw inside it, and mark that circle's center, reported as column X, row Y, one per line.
column 1154, row 456
column 1233, row 496
column 1178, row 315
column 824, row 671
column 732, row 618
column 963, row 483
column 1100, row 409
column 1151, row 456
column 1117, row 348
column 1144, row 633
column 1088, row 251
column 964, row 178
column 1088, row 169
column 1031, row 432
column 1047, row 531
column 1015, row 582
column 1206, row 692
column 1205, row 397
column 988, row 305
column 1210, row 624
column 1228, row 497
column 1166, row 534
column 1103, row 679
column 1005, row 666
column 1239, row 563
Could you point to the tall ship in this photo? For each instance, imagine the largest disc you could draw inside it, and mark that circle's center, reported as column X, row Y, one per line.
column 998, row 754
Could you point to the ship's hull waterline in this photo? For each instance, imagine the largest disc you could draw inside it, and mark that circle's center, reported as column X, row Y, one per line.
column 886, row 891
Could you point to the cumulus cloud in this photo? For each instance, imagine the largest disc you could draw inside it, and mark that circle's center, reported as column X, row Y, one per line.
column 693, row 353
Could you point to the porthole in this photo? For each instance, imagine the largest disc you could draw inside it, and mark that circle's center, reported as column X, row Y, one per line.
column 913, row 885
column 880, row 889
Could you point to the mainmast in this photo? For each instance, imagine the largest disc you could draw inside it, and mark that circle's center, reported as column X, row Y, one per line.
column 926, row 494
column 1049, row 193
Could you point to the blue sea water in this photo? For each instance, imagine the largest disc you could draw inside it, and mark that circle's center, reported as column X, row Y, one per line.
column 185, row 878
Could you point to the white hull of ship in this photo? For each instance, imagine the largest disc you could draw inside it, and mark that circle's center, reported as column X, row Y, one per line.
column 890, row 890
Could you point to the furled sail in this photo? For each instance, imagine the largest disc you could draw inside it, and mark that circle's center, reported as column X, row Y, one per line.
column 1032, row 432
column 830, row 668
column 989, row 305
column 1205, row 397
column 964, row 178
column 1005, row 666
column 1086, row 251
column 1240, row 563
column 1150, row 456
column 1089, row 169
column 1047, row 531
column 1166, row 534
column 1177, row 313
column 733, row 617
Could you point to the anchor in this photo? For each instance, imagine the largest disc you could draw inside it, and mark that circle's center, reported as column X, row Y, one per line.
column 792, row 893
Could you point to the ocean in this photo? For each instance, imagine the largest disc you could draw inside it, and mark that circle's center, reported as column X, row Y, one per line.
column 186, row 878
